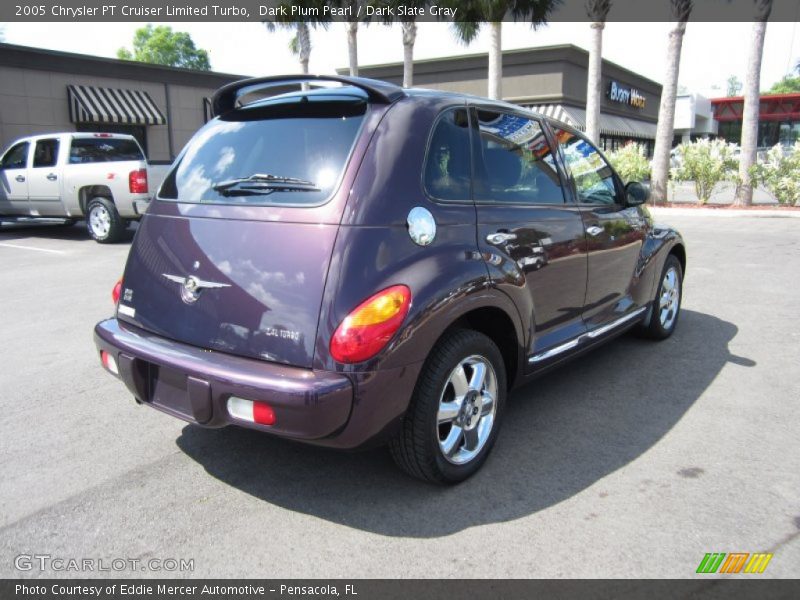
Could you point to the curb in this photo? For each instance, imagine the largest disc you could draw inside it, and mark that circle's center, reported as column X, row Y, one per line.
column 664, row 211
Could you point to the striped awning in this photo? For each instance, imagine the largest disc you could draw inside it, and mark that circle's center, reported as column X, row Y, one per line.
column 88, row 104
column 609, row 124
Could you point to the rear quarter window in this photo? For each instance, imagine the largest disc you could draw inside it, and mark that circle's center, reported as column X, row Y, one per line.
column 290, row 151
column 94, row 150
column 447, row 163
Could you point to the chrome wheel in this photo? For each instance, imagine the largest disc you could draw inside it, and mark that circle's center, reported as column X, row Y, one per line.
column 670, row 299
column 100, row 221
column 467, row 408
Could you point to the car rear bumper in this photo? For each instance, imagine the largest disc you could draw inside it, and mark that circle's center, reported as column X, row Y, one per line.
column 194, row 384
column 319, row 407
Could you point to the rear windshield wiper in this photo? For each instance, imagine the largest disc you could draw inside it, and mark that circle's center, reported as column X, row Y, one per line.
column 263, row 184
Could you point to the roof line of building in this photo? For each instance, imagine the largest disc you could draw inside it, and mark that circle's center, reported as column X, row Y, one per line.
column 27, row 57
column 567, row 48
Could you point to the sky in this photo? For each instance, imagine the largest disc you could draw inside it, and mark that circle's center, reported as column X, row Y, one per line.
column 711, row 51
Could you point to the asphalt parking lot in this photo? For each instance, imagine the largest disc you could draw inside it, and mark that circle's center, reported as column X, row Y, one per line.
column 634, row 461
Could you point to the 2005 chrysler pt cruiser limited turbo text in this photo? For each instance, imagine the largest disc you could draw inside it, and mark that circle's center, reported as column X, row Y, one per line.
column 345, row 262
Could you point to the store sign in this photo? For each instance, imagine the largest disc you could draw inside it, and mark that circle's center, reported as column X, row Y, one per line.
column 625, row 95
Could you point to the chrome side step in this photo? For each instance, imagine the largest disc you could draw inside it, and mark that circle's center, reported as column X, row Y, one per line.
column 589, row 335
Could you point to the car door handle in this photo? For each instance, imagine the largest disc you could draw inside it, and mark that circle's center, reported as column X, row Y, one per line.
column 20, row 178
column 594, row 230
column 52, row 177
column 500, row 237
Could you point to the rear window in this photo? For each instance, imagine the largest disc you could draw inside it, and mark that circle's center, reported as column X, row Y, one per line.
column 93, row 150
column 288, row 151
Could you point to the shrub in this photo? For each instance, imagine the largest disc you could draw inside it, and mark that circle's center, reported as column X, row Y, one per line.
column 706, row 163
column 780, row 173
column 631, row 162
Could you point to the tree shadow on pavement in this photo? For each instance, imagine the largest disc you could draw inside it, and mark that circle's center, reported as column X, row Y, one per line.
column 561, row 434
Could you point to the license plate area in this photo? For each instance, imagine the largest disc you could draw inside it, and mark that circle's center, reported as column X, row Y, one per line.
column 170, row 390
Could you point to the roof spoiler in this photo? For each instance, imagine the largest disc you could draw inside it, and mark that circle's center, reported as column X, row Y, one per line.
column 224, row 99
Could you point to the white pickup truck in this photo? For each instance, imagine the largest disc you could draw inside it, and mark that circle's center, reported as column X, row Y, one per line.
column 102, row 177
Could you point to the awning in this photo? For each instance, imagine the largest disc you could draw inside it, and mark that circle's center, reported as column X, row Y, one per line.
column 88, row 104
column 609, row 124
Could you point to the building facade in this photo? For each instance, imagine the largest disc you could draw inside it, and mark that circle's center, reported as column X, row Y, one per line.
column 694, row 118
column 552, row 81
column 778, row 119
column 43, row 91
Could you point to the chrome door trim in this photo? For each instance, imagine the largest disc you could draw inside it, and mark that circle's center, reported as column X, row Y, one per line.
column 589, row 335
column 616, row 323
column 556, row 350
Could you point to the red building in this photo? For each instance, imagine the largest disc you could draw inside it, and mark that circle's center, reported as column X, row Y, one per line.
column 778, row 119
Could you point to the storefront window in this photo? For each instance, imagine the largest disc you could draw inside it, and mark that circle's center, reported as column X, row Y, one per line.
column 731, row 131
column 789, row 133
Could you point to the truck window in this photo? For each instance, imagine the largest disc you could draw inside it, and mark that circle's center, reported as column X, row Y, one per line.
column 16, row 157
column 45, row 154
column 93, row 150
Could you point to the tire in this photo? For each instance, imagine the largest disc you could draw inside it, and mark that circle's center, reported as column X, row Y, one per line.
column 442, row 439
column 103, row 222
column 667, row 303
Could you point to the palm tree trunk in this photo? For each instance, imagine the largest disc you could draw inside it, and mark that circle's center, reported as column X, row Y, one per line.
column 409, row 37
column 495, row 61
column 352, row 46
column 303, row 45
column 752, row 83
column 593, row 83
column 666, row 114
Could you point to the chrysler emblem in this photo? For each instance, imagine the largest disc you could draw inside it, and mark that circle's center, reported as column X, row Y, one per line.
column 191, row 286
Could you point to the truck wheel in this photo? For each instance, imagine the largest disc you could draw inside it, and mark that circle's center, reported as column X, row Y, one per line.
column 452, row 420
column 103, row 221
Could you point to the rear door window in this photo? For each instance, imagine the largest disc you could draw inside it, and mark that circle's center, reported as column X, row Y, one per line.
column 45, row 154
column 447, row 164
column 515, row 163
column 103, row 149
column 289, row 152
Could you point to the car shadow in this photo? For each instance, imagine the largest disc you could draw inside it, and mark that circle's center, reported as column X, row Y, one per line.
column 56, row 231
column 561, row 434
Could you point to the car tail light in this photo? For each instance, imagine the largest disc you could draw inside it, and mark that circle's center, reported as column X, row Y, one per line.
column 103, row 135
column 137, row 181
column 367, row 329
column 109, row 362
column 117, row 291
column 248, row 410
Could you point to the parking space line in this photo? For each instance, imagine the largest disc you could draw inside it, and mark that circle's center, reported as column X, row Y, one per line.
column 21, row 247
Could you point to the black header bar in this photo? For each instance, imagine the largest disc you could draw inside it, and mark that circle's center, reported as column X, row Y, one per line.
column 368, row 10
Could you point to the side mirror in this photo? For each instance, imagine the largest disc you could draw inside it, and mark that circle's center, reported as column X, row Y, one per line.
column 636, row 193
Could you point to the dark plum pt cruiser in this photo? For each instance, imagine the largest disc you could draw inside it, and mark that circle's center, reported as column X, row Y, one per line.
column 345, row 262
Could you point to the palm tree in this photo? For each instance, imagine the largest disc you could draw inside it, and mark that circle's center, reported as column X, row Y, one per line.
column 473, row 13
column 409, row 29
column 752, row 83
column 300, row 44
column 597, row 10
column 352, row 46
column 351, row 26
column 408, row 26
column 681, row 9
